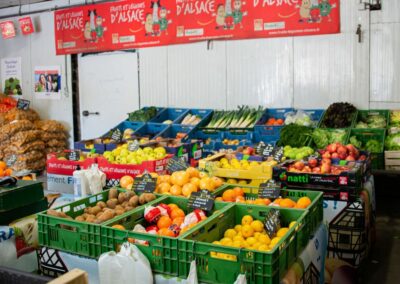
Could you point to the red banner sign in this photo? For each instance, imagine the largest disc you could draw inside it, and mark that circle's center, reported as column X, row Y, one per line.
column 26, row 25
column 7, row 29
column 143, row 23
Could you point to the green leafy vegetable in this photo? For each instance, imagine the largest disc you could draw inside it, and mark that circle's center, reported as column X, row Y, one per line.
column 324, row 137
column 294, row 135
column 393, row 142
column 373, row 146
column 355, row 142
column 339, row 115
column 143, row 115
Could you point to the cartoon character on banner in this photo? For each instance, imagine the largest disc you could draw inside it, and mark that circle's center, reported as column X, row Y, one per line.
column 237, row 12
column 229, row 21
column 94, row 29
column 100, row 29
column 156, row 23
column 325, row 9
column 148, row 24
column 220, row 17
column 163, row 20
column 305, row 11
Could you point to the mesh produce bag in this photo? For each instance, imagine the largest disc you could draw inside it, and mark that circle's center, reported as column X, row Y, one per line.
column 47, row 136
column 36, row 165
column 50, row 126
column 19, row 114
column 25, row 137
column 10, row 129
column 35, row 145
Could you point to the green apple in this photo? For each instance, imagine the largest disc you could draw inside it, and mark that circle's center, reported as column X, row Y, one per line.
column 124, row 153
column 160, row 150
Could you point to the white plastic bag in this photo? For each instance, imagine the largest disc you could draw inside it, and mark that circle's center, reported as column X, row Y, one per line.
column 241, row 279
column 128, row 266
column 96, row 179
column 192, row 277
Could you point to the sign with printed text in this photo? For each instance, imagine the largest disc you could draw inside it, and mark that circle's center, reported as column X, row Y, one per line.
column 10, row 161
column 7, row 29
column 145, row 183
column 26, row 25
column 116, row 135
column 201, row 200
column 23, row 104
column 270, row 190
column 144, row 23
column 272, row 222
column 176, row 164
column 74, row 155
column 133, row 146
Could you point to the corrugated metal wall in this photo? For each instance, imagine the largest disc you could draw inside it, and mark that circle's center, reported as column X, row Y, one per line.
column 304, row 72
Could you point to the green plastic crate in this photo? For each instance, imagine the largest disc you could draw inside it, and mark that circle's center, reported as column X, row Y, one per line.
column 353, row 120
column 312, row 144
column 161, row 251
column 73, row 236
column 259, row 267
column 6, row 217
column 363, row 115
column 23, row 193
column 315, row 210
column 364, row 135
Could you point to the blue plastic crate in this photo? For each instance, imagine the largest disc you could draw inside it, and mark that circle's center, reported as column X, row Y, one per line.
column 159, row 110
column 98, row 145
column 239, row 135
column 173, row 114
column 270, row 139
column 203, row 113
column 151, row 130
column 269, row 130
column 315, row 114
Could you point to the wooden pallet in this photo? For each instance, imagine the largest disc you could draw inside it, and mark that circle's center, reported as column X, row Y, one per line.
column 392, row 160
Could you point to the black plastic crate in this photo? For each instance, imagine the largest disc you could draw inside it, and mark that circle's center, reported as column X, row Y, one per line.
column 50, row 263
column 13, row 276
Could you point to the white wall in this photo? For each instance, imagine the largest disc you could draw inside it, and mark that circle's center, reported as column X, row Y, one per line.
column 38, row 49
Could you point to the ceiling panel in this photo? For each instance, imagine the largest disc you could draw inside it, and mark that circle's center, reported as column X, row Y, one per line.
column 11, row 3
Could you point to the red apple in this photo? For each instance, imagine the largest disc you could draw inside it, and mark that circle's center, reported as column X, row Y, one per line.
column 331, row 148
column 350, row 147
column 299, row 165
column 312, row 162
column 362, row 158
column 350, row 158
column 342, row 150
column 326, row 155
column 335, row 156
column 342, row 156
column 325, row 169
column 316, row 170
column 306, row 169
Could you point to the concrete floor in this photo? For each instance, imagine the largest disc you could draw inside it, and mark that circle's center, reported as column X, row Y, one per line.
column 383, row 265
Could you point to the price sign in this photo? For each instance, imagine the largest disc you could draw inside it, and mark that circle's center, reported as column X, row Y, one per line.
column 116, row 135
column 23, row 104
column 270, row 190
column 145, row 183
column 133, row 146
column 272, row 222
column 259, row 148
column 176, row 164
column 268, row 150
column 10, row 161
column 201, row 200
column 277, row 154
column 74, row 155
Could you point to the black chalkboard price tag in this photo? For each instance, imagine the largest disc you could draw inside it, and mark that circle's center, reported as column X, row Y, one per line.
column 277, row 154
column 270, row 190
column 10, row 161
column 260, row 148
column 133, row 146
column 23, row 104
column 201, row 200
column 268, row 150
column 74, row 155
column 176, row 164
column 145, row 183
column 272, row 222
column 116, row 135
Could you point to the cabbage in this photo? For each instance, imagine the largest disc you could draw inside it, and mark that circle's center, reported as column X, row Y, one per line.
column 393, row 142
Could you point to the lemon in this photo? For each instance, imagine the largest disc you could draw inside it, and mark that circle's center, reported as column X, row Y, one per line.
column 264, row 239
column 230, row 233
column 246, row 220
column 247, row 231
column 251, row 240
column 281, row 232
column 226, row 241
column 257, row 235
column 263, row 248
column 292, row 224
column 257, row 225
column 274, row 242
column 237, row 244
column 224, row 160
column 256, row 246
column 216, row 243
column 238, row 228
column 253, row 164
column 238, row 239
column 239, row 234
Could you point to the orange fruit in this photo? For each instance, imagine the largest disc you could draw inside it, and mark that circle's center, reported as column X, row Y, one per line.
column 119, row 227
column 193, row 172
column 259, row 201
column 267, row 201
column 166, row 232
column 3, row 165
column 26, row 178
column 238, row 191
column 240, row 199
column 195, row 181
column 173, row 206
column 163, row 178
column 278, row 201
column 126, row 182
column 217, row 181
column 180, row 178
column 287, row 203
column 164, row 222
column 1, row 172
column 176, row 190
column 229, row 195
column 178, row 221
column 164, row 187
column 219, row 199
column 8, row 172
column 177, row 213
column 207, row 184
column 188, row 188
column 202, row 175
column 303, row 202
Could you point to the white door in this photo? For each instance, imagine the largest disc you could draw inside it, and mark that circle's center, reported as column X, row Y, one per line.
column 108, row 90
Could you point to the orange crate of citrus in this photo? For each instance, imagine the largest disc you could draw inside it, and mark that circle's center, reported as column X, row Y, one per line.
column 4, row 170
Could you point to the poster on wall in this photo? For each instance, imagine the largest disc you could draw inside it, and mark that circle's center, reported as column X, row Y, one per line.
column 7, row 29
column 144, row 23
column 11, row 76
column 47, row 82
column 26, row 25
column 114, row 26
